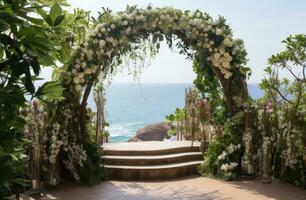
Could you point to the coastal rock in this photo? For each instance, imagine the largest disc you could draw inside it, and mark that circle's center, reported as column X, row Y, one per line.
column 154, row 132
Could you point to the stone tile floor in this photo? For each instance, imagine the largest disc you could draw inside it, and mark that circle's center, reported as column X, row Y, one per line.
column 191, row 188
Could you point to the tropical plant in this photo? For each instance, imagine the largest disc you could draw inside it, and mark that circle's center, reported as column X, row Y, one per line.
column 284, row 131
column 177, row 123
column 24, row 48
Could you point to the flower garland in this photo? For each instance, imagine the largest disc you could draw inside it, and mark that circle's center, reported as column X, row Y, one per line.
column 117, row 35
column 112, row 38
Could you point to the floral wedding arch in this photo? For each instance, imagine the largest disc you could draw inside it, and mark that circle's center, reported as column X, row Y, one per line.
column 118, row 34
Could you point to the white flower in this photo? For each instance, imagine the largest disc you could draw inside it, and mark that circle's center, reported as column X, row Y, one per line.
column 129, row 17
column 87, row 71
column 219, row 31
column 103, row 30
column 228, row 42
column 74, row 71
column 222, row 156
column 80, row 75
column 94, row 68
column 228, row 75
column 233, row 165
column 222, row 51
column 83, row 65
column 77, row 66
column 89, row 53
column 109, row 39
column 78, row 88
column 125, row 22
column 109, row 53
column 226, row 65
column 76, row 80
column 102, row 43
column 115, row 42
column 225, row 167
column 209, row 22
column 113, row 26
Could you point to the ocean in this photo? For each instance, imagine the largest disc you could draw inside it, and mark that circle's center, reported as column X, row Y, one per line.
column 130, row 107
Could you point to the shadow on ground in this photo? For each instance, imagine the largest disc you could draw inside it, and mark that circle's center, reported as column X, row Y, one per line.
column 199, row 188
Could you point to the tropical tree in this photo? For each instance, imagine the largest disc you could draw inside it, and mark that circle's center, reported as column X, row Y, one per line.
column 25, row 46
column 284, row 127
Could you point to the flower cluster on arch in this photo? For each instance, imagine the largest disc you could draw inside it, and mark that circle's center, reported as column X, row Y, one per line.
column 112, row 37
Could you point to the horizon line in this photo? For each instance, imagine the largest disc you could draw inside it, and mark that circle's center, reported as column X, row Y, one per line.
column 135, row 83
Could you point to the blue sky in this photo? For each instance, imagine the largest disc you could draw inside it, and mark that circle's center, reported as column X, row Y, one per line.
column 261, row 24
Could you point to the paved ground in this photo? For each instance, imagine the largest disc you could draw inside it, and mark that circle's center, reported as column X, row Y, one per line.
column 199, row 188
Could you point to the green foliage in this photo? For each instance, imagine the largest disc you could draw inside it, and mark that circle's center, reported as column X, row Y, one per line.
column 175, row 120
column 92, row 171
column 231, row 135
column 12, row 158
column 210, row 88
column 24, row 48
column 287, row 97
column 50, row 91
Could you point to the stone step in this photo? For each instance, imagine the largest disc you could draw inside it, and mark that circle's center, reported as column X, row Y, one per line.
column 149, row 148
column 152, row 159
column 165, row 171
column 151, row 152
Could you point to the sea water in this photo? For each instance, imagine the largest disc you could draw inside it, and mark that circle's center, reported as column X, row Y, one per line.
column 130, row 107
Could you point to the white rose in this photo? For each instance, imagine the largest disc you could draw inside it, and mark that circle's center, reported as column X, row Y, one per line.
column 228, row 75
column 83, row 64
column 76, row 80
column 103, row 30
column 218, row 31
column 217, row 55
column 222, row 51
column 226, row 65
column 129, row 17
column 80, row 75
column 74, row 71
column 228, row 42
column 101, row 43
column 226, row 55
